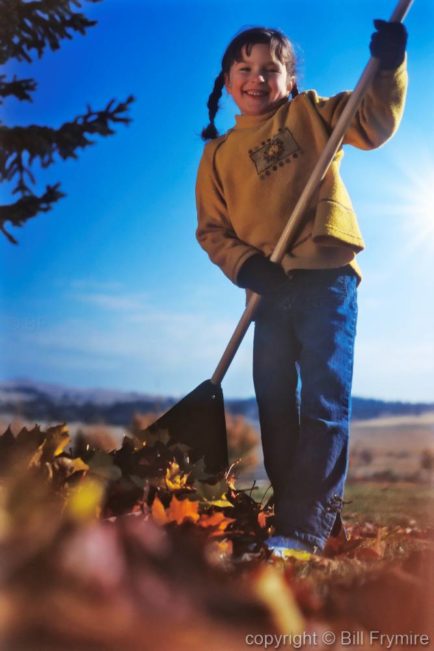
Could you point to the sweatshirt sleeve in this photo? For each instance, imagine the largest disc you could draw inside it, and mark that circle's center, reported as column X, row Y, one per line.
column 214, row 232
column 379, row 113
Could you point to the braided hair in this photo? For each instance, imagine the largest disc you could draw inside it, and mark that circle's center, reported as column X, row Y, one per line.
column 280, row 47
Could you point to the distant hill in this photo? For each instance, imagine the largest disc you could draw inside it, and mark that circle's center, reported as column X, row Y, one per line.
column 37, row 401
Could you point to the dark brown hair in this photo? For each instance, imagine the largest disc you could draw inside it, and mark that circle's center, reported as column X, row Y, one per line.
column 281, row 49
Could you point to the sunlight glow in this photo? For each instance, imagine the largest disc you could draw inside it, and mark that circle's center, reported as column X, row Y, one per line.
column 418, row 205
column 408, row 197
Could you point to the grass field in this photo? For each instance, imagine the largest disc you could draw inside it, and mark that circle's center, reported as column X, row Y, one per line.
column 391, row 445
column 390, row 503
column 385, row 503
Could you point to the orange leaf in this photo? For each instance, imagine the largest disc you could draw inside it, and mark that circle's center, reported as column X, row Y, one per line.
column 262, row 519
column 181, row 510
column 158, row 512
column 217, row 519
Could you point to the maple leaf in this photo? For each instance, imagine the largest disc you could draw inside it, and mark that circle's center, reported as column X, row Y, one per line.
column 71, row 466
column 174, row 478
column 216, row 520
column 178, row 511
column 57, row 439
column 39, row 452
column 181, row 510
column 29, row 438
column 7, row 446
column 158, row 512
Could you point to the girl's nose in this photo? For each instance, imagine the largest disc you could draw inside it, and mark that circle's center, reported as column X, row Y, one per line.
column 260, row 76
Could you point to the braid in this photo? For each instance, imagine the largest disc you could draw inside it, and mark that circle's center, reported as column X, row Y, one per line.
column 294, row 91
column 210, row 132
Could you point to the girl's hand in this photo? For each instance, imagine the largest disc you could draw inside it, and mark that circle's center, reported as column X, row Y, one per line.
column 388, row 43
column 261, row 275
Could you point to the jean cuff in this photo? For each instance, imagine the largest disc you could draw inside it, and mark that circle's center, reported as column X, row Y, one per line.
column 288, row 542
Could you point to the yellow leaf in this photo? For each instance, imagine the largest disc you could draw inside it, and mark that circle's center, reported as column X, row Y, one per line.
column 72, row 465
column 78, row 465
column 55, row 441
column 85, row 500
column 174, row 478
column 61, row 438
column 222, row 502
column 272, row 589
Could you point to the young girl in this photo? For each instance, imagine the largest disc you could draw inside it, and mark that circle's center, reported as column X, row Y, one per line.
column 248, row 182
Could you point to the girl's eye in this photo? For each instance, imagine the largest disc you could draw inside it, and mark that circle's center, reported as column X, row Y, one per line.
column 266, row 71
column 271, row 71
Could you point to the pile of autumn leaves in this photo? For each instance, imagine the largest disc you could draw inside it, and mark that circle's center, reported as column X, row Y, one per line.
column 147, row 476
column 138, row 548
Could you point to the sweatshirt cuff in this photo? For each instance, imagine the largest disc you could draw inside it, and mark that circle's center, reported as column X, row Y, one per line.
column 246, row 255
column 394, row 72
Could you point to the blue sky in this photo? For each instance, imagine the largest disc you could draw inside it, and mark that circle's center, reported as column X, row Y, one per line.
column 110, row 289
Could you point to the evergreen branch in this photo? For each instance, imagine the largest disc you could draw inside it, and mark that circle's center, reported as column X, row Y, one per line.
column 27, row 207
column 21, row 146
column 26, row 26
column 19, row 88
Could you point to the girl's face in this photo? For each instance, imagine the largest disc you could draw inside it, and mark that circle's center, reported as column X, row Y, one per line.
column 258, row 82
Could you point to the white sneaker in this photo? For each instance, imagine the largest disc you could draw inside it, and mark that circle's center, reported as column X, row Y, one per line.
column 285, row 547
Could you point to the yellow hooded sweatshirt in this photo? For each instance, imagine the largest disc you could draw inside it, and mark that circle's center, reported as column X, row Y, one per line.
column 250, row 179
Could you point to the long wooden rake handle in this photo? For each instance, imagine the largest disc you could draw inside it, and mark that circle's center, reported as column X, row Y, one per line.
column 315, row 178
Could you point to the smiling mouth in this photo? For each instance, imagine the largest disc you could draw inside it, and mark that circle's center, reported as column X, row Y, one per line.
column 255, row 93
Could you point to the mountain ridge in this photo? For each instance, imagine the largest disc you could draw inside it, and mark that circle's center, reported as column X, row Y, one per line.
column 34, row 400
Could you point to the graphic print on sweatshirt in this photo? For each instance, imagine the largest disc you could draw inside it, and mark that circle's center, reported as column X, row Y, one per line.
column 274, row 152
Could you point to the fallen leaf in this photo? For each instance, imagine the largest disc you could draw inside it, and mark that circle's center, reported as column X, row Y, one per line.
column 158, row 512
column 274, row 592
column 84, row 501
column 174, row 478
column 182, row 510
column 222, row 502
column 217, row 519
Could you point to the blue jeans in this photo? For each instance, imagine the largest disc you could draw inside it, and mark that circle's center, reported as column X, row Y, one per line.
column 302, row 369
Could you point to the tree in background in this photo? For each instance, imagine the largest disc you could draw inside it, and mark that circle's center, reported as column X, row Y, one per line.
column 28, row 27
